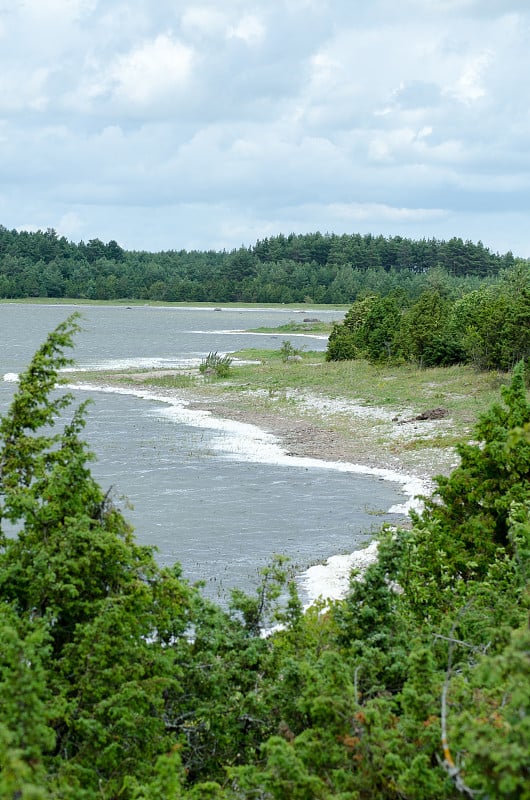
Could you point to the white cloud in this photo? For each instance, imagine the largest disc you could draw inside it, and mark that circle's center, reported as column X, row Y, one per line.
column 360, row 212
column 29, row 227
column 72, row 9
column 151, row 72
column 204, row 20
column 470, row 84
column 262, row 117
column 249, row 28
column 70, row 225
column 405, row 145
column 24, row 88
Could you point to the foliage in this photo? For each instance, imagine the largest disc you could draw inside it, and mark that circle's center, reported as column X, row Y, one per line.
column 312, row 268
column 119, row 680
column 347, row 338
column 488, row 327
column 494, row 473
column 216, row 365
column 288, row 351
column 74, row 576
column 494, row 325
column 422, row 331
column 368, row 330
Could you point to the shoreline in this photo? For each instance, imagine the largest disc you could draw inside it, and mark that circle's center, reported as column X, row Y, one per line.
column 315, row 426
column 306, row 433
column 369, row 440
column 375, row 442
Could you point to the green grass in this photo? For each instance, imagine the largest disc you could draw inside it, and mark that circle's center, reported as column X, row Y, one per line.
column 179, row 381
column 298, row 327
column 459, row 389
column 406, row 389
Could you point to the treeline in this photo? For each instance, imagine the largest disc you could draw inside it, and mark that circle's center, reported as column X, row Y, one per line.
column 488, row 327
column 119, row 681
column 313, row 268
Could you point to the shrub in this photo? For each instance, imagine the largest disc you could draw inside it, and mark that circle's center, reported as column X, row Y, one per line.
column 288, row 352
column 215, row 365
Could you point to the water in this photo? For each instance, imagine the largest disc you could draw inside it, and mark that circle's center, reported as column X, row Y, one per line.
column 217, row 496
column 143, row 336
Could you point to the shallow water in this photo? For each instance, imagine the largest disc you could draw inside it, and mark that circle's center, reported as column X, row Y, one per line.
column 217, row 496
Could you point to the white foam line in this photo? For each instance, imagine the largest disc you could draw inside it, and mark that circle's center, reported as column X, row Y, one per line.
column 224, row 332
column 133, row 363
column 153, row 362
column 247, row 442
column 282, row 334
column 330, row 581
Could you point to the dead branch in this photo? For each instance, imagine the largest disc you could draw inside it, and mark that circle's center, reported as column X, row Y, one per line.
column 448, row 763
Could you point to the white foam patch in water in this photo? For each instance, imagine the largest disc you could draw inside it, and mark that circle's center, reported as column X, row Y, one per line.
column 11, row 377
column 153, row 362
column 330, row 581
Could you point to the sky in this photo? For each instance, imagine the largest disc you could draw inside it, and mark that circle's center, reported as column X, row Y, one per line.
column 191, row 124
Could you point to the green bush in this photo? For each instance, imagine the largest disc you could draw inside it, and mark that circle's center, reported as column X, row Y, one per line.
column 288, row 352
column 216, row 365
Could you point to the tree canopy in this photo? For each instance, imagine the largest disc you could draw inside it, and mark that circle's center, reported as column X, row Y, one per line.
column 488, row 327
column 314, row 267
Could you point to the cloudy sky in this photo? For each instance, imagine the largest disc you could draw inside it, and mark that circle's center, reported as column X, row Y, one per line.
column 212, row 123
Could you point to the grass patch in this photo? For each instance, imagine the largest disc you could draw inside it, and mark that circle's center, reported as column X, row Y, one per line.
column 464, row 392
column 180, row 380
column 266, row 384
column 316, row 326
column 423, row 443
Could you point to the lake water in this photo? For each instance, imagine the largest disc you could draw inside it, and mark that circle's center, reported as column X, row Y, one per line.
column 217, row 496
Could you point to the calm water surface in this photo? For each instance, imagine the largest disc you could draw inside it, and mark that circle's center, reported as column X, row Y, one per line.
column 221, row 514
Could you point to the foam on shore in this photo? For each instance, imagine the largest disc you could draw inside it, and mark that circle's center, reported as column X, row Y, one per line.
column 134, row 363
column 330, row 581
column 247, row 442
